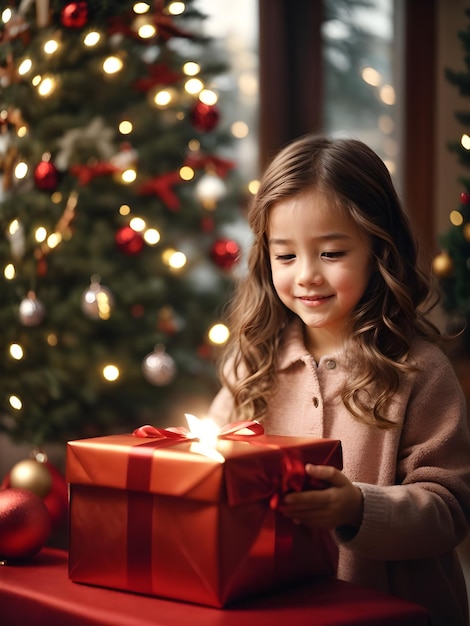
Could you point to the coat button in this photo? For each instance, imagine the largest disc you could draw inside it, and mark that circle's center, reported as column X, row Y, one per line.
column 330, row 364
column 315, row 402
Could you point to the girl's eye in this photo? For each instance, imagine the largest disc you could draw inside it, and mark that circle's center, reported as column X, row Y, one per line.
column 333, row 255
column 284, row 257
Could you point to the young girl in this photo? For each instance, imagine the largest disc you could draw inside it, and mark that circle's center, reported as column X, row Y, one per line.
column 329, row 339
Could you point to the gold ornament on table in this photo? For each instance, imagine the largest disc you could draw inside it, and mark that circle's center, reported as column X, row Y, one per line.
column 442, row 265
column 33, row 475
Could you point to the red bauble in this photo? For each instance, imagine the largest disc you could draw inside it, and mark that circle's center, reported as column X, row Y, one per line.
column 129, row 241
column 225, row 253
column 46, row 176
column 55, row 500
column 465, row 197
column 25, row 523
column 204, row 117
column 74, row 15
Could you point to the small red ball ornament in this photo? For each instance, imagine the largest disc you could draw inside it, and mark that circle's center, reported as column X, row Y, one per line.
column 204, row 117
column 74, row 15
column 46, row 176
column 129, row 241
column 465, row 197
column 225, row 253
column 25, row 523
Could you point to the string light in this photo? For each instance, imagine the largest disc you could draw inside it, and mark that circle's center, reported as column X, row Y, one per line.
column 218, row 334
column 125, row 127
column 186, row 173
column 465, row 141
column 151, row 236
column 112, row 65
column 91, row 39
column 191, row 68
column 9, row 272
column 456, row 218
column 47, row 86
column 176, row 8
column 164, row 98
column 193, row 86
column 51, row 46
column 25, row 66
column 40, row 234
column 16, row 351
column 111, row 373
column 141, row 7
column 209, row 97
column 138, row 224
column 21, row 170
column 15, row 403
column 174, row 259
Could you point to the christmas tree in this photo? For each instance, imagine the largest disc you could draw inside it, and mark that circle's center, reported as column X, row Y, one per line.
column 452, row 264
column 117, row 196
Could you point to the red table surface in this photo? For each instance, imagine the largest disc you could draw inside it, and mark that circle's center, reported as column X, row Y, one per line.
column 39, row 593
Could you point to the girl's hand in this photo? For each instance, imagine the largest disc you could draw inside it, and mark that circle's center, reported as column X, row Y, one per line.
column 340, row 504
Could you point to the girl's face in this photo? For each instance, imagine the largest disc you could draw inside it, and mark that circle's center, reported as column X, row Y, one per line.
column 320, row 264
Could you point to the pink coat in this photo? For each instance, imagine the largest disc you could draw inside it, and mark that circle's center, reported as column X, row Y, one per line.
column 415, row 478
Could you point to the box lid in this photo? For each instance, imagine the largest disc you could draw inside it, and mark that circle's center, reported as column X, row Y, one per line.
column 240, row 471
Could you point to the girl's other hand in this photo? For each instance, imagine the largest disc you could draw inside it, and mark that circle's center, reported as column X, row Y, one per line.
column 340, row 504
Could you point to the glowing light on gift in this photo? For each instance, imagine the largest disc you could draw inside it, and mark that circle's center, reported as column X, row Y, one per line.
column 51, row 46
column 138, row 224
column 465, row 141
column 126, row 127
column 207, row 432
column 193, row 86
column 40, row 234
column 218, row 334
column 112, row 65
column 24, row 67
column 9, row 272
column 141, row 7
column 21, row 170
column 91, row 39
column 110, row 373
column 186, row 173
column 15, row 403
column 176, row 8
column 209, row 97
column 47, row 86
column 151, row 236
column 191, row 68
column 16, row 351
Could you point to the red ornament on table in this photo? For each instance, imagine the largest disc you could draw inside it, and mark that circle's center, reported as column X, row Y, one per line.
column 129, row 241
column 74, row 15
column 25, row 523
column 204, row 117
column 225, row 253
column 46, row 176
column 45, row 481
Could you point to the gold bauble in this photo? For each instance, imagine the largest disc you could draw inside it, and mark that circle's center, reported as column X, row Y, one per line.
column 32, row 475
column 442, row 265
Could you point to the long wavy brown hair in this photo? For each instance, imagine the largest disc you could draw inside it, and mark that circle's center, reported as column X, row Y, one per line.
column 384, row 323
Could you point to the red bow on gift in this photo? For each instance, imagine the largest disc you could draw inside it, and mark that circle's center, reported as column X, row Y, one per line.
column 235, row 431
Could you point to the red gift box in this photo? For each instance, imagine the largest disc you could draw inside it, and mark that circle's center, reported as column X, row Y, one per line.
column 165, row 517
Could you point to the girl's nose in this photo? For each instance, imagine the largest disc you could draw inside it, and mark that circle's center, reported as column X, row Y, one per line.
column 309, row 274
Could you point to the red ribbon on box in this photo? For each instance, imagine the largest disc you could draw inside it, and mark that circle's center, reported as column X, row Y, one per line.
column 139, row 515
